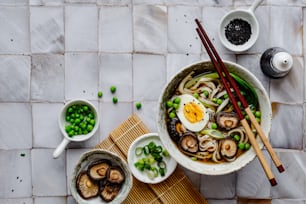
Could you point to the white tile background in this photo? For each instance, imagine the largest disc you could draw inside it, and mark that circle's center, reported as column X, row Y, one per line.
column 54, row 50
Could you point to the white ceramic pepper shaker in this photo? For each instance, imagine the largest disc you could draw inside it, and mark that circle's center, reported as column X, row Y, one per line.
column 276, row 62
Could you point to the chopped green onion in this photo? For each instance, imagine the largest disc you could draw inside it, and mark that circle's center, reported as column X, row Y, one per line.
column 138, row 151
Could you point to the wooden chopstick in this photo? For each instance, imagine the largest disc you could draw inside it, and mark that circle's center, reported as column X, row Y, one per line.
column 244, row 103
column 217, row 62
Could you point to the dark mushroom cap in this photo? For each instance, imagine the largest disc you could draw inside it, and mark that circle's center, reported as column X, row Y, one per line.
column 175, row 128
column 109, row 192
column 228, row 148
column 86, row 187
column 189, row 142
column 98, row 170
column 227, row 120
column 115, row 175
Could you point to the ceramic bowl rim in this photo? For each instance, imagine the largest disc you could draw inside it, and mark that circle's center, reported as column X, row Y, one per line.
column 214, row 169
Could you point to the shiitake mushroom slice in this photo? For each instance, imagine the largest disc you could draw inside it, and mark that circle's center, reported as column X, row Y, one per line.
column 99, row 169
column 86, row 187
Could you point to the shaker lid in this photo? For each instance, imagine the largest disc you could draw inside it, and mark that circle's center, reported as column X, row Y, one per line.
column 282, row 61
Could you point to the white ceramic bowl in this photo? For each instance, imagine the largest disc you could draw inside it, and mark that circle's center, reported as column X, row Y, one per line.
column 200, row 167
column 132, row 158
column 62, row 123
column 95, row 155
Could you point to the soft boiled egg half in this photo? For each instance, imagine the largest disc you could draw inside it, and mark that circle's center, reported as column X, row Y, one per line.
column 192, row 113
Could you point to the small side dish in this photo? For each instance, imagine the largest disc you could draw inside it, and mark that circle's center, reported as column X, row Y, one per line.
column 101, row 176
column 149, row 161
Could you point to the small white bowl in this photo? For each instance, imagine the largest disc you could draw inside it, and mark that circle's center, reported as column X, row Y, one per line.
column 132, row 158
column 95, row 155
column 62, row 123
column 246, row 15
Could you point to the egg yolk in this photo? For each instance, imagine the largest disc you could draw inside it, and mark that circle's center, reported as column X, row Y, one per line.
column 193, row 112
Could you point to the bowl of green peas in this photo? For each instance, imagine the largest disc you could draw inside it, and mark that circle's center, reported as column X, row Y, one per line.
column 78, row 121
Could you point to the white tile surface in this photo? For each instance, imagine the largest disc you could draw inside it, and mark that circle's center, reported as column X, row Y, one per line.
column 292, row 181
column 284, row 31
column 81, row 28
column 284, row 134
column 15, row 67
column 81, row 75
column 176, row 62
column 211, row 186
column 116, row 70
column 54, row 50
column 48, row 78
column 48, row 174
column 46, row 132
column 149, row 76
column 17, row 201
column 50, row 200
column 252, row 182
column 15, row 38
column 289, row 84
column 43, row 21
column 113, row 115
column 115, row 29
column 181, row 20
column 15, row 174
column 150, row 31
column 16, row 126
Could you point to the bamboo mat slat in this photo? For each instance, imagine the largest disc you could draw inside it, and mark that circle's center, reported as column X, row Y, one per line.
column 176, row 189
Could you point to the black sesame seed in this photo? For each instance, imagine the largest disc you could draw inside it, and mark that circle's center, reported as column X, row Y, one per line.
column 238, row 31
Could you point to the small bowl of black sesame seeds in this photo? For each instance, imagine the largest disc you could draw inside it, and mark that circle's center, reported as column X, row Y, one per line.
column 239, row 29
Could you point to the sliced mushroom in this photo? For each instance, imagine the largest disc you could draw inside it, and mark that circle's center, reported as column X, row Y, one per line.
column 109, row 192
column 227, row 120
column 86, row 187
column 175, row 129
column 189, row 142
column 98, row 170
column 228, row 148
column 115, row 175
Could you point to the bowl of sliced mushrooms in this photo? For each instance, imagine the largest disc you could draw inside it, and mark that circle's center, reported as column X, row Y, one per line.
column 101, row 176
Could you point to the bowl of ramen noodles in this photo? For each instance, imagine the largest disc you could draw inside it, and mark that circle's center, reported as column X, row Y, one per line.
column 198, row 125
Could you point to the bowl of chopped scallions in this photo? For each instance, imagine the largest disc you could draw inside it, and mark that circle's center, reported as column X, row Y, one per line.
column 149, row 161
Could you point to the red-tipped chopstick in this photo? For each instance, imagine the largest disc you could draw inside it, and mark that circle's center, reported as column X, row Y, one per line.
column 219, row 66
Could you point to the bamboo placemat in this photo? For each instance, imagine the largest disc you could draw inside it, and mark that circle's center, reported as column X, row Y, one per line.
column 176, row 189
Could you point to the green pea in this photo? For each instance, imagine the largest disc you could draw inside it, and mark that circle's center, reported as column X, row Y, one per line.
column 89, row 128
column 175, row 106
column 206, row 93
column 225, row 96
column 172, row 115
column 115, row 100
column 71, row 133
column 77, row 121
column 219, row 101
column 257, row 114
column 196, row 95
column 67, row 128
column 100, row 94
column 90, row 115
column 177, row 100
column 67, row 118
column 214, row 126
column 76, row 128
column 138, row 105
column 214, row 100
column 92, row 122
column 258, row 120
column 85, row 132
column 85, row 108
column 239, row 103
column 113, row 89
column 241, row 145
column 70, row 110
column 194, row 158
column 236, row 138
column 247, row 117
column 247, row 146
column 83, row 126
column 169, row 104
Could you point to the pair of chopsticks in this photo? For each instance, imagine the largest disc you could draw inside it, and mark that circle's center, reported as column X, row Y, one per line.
column 229, row 83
